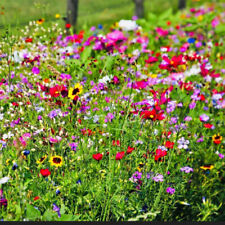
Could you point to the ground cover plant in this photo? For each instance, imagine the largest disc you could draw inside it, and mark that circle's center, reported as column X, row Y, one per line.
column 116, row 124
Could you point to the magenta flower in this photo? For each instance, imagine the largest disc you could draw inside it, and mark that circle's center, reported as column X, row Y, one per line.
column 35, row 70
column 170, row 190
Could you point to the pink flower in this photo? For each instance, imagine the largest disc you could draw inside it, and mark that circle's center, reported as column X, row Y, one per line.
column 119, row 155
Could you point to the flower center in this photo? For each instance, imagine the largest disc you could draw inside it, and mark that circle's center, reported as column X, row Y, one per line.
column 56, row 160
column 75, row 91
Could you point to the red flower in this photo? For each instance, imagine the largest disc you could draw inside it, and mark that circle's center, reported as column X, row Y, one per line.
column 45, row 172
column 129, row 150
column 116, row 143
column 169, row 144
column 119, row 155
column 28, row 40
column 36, row 198
column 97, row 156
column 208, row 125
column 55, row 91
column 159, row 154
column 68, row 26
column 151, row 59
column 153, row 115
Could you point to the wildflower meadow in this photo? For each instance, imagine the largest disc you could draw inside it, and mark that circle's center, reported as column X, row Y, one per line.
column 115, row 124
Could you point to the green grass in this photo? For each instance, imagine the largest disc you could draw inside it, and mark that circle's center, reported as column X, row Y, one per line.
column 91, row 12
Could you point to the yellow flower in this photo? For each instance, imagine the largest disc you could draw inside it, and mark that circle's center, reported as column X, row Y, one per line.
column 57, row 16
column 76, row 90
column 40, row 21
column 209, row 167
column 41, row 160
column 217, row 138
column 200, row 18
column 56, row 161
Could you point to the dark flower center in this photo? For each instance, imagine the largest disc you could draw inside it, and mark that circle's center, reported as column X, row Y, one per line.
column 217, row 137
column 42, row 159
column 75, row 91
column 56, row 160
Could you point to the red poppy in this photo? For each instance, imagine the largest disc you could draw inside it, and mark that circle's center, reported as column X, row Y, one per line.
column 208, row 125
column 159, row 154
column 153, row 115
column 28, row 40
column 68, row 26
column 36, row 198
column 55, row 91
column 117, row 142
column 169, row 144
column 129, row 150
column 97, row 156
column 45, row 172
column 119, row 155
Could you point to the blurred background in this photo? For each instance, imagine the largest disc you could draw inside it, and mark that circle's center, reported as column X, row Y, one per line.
column 17, row 13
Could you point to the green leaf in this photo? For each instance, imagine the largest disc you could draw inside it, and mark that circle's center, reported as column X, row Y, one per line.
column 166, row 14
column 68, row 217
column 144, row 216
column 49, row 215
column 86, row 53
column 32, row 213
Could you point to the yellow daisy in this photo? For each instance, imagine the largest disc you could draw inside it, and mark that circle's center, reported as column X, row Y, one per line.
column 76, row 90
column 41, row 160
column 56, row 161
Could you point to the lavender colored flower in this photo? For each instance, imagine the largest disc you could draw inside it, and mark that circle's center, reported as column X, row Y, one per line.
column 158, row 177
column 56, row 209
column 173, row 120
column 186, row 169
column 187, row 118
column 170, row 190
column 109, row 117
column 192, row 105
column 204, row 118
column 54, row 113
column 183, row 143
column 136, row 176
column 73, row 146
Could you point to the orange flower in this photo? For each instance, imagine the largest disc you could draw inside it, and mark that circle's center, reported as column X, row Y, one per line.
column 217, row 138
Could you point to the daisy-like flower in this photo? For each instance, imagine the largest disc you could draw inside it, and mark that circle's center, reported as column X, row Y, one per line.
column 76, row 90
column 56, row 161
column 207, row 167
column 217, row 138
column 41, row 160
column 183, row 143
column 40, row 21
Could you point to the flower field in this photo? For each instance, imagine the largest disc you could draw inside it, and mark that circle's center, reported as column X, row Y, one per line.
column 119, row 124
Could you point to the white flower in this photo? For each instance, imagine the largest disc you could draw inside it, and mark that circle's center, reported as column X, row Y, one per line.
column 127, row 25
column 4, row 180
column 1, row 116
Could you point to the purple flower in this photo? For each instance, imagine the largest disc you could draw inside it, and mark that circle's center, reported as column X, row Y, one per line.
column 186, row 169
column 73, row 145
column 136, row 176
column 204, row 118
column 221, row 155
column 56, row 209
column 54, row 113
column 173, row 120
column 35, row 70
column 187, row 118
column 109, row 117
column 65, row 76
column 170, row 190
column 158, row 177
column 192, row 105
